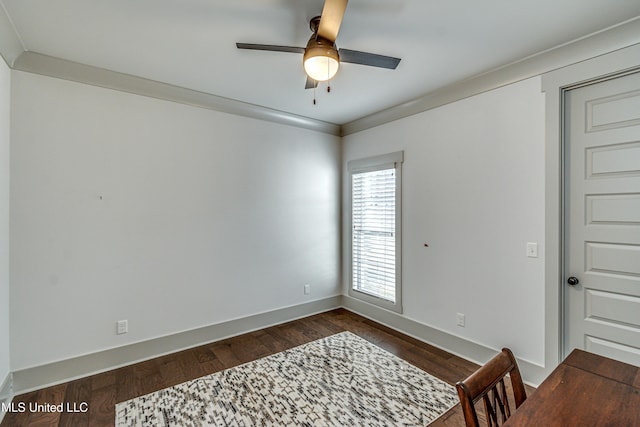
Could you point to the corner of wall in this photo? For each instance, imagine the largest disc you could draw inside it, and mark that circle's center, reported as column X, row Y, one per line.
column 6, row 394
column 6, row 378
column 474, row 352
column 10, row 44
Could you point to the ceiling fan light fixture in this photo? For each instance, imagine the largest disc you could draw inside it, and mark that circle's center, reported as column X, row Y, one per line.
column 321, row 60
column 321, row 68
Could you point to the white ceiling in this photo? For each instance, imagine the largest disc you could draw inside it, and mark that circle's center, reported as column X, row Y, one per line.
column 191, row 43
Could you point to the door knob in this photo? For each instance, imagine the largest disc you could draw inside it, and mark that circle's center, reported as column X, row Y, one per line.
column 573, row 281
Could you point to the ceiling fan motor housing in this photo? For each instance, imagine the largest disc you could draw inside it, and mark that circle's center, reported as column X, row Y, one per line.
column 321, row 59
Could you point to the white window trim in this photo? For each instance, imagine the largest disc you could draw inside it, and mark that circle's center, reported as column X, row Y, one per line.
column 369, row 164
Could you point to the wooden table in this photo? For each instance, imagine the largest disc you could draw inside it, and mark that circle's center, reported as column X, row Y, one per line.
column 584, row 390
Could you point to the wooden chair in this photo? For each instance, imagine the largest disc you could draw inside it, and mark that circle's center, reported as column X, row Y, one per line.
column 488, row 383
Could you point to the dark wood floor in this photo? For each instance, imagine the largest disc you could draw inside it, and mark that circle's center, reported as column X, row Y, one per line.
column 102, row 391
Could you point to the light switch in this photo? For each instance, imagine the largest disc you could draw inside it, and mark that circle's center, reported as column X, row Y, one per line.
column 532, row 250
column 122, row 327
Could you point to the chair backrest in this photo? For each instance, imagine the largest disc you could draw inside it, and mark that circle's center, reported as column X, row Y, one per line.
column 488, row 383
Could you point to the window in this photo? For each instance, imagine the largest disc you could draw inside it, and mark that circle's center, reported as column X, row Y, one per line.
column 375, row 230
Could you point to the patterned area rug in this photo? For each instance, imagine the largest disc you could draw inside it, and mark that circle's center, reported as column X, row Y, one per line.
column 341, row 380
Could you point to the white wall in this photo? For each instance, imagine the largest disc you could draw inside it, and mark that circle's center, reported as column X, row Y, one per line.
column 5, row 101
column 473, row 190
column 170, row 216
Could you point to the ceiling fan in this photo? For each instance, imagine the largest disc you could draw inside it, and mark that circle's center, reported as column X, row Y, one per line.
column 322, row 58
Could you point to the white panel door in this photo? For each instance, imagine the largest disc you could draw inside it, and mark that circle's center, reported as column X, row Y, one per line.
column 602, row 218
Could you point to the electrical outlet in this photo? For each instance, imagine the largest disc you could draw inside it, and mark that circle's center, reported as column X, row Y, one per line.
column 122, row 327
column 460, row 319
column 307, row 289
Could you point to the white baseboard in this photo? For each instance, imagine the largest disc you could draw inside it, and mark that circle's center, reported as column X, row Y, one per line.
column 34, row 378
column 6, row 395
column 532, row 373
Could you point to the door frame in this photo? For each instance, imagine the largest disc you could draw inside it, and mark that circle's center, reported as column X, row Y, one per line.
column 565, row 184
column 555, row 84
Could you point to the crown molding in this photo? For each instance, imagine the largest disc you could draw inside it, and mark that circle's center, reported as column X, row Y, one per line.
column 37, row 63
column 615, row 38
column 10, row 44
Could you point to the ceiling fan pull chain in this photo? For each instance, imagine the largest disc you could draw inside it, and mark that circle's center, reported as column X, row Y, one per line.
column 314, row 92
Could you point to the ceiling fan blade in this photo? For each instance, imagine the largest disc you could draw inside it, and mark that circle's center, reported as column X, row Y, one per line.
column 270, row 47
column 310, row 83
column 331, row 18
column 371, row 59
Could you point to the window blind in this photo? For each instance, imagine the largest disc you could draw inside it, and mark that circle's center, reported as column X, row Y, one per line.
column 374, row 233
